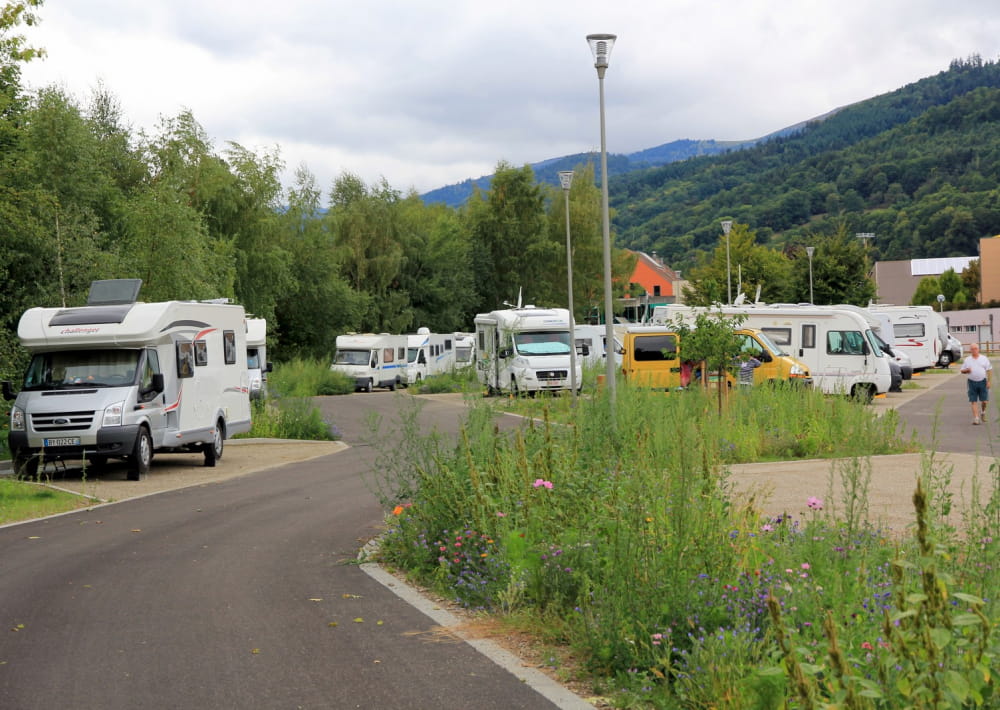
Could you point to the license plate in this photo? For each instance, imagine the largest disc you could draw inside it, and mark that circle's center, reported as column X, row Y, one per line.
column 65, row 441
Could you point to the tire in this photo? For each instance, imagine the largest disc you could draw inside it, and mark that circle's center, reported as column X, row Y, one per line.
column 25, row 465
column 368, row 387
column 392, row 385
column 863, row 393
column 213, row 451
column 945, row 360
column 513, row 388
column 142, row 456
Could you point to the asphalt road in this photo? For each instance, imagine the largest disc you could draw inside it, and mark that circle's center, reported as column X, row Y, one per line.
column 239, row 594
column 942, row 418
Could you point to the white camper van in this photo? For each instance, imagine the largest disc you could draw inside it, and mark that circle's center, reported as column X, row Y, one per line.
column 257, row 364
column 524, row 350
column 465, row 350
column 836, row 345
column 590, row 344
column 119, row 378
column 919, row 331
column 372, row 359
column 428, row 354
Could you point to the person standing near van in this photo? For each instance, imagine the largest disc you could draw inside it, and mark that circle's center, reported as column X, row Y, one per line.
column 980, row 376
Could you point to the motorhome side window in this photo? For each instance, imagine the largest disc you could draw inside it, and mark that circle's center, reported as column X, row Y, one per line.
column 150, row 368
column 780, row 336
column 809, row 336
column 845, row 342
column 652, row 348
column 200, row 353
column 388, row 354
column 229, row 346
column 185, row 358
column 908, row 330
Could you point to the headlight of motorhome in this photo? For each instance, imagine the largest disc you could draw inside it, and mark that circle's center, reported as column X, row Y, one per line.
column 16, row 419
column 113, row 414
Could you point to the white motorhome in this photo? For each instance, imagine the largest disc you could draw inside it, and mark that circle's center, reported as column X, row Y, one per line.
column 524, row 350
column 837, row 345
column 919, row 331
column 257, row 364
column 590, row 344
column 428, row 354
column 465, row 350
column 119, row 378
column 372, row 359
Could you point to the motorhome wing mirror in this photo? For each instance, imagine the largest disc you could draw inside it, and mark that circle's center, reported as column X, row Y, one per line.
column 505, row 353
column 765, row 356
column 269, row 368
column 583, row 349
column 8, row 390
column 157, row 383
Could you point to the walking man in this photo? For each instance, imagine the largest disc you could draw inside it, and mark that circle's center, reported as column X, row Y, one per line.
column 980, row 374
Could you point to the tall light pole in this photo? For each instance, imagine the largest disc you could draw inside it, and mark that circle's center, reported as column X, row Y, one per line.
column 809, row 251
column 600, row 46
column 566, row 180
column 727, row 224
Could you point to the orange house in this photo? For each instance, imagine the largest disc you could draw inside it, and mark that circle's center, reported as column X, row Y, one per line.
column 652, row 284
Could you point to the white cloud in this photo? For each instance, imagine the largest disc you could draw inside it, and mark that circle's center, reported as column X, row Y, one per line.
column 430, row 93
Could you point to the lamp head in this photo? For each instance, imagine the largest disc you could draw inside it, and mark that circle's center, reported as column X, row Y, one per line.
column 600, row 46
column 566, row 179
column 809, row 251
column 727, row 224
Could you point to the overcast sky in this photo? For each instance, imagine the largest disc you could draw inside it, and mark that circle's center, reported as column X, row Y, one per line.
column 426, row 93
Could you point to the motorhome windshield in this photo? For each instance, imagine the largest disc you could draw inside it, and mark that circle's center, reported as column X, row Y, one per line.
column 253, row 359
column 82, row 368
column 542, row 343
column 351, row 357
column 771, row 345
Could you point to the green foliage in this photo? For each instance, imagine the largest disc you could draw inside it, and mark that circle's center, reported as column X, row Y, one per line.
column 20, row 500
column 308, row 378
column 289, row 418
column 678, row 593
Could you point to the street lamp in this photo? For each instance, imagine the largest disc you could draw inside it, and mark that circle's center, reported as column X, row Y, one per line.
column 600, row 46
column 566, row 180
column 940, row 303
column 809, row 252
column 727, row 224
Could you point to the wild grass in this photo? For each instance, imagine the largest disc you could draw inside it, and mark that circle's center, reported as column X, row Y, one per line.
column 624, row 539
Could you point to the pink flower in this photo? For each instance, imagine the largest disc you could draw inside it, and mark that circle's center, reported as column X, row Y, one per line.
column 766, row 528
column 805, row 565
column 542, row 483
column 867, row 646
column 501, row 515
column 815, row 503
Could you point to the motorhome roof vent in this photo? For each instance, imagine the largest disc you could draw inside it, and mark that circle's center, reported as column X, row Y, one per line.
column 109, row 292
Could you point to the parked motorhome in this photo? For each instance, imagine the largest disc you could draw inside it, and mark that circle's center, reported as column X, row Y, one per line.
column 428, row 354
column 118, row 378
column 372, row 359
column 465, row 350
column 834, row 344
column 257, row 364
column 920, row 331
column 524, row 349
column 652, row 356
column 590, row 340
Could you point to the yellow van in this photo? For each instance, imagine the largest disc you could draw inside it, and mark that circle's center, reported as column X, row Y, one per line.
column 652, row 356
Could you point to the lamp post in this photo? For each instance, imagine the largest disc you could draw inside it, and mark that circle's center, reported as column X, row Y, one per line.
column 566, row 180
column 600, row 46
column 727, row 224
column 809, row 252
column 940, row 299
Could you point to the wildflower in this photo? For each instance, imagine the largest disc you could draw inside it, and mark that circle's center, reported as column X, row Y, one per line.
column 805, row 565
column 814, row 503
column 542, row 483
column 766, row 528
column 867, row 646
column 398, row 510
column 501, row 514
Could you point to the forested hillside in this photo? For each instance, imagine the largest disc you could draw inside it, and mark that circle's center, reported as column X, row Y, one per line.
column 919, row 168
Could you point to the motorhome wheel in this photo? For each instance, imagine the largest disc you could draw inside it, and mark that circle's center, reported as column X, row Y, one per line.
column 142, row 456
column 368, row 386
column 945, row 359
column 213, row 451
column 25, row 465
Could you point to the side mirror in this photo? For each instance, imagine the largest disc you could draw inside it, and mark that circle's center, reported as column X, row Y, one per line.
column 157, row 383
column 583, row 350
column 269, row 368
column 765, row 356
column 505, row 353
column 8, row 390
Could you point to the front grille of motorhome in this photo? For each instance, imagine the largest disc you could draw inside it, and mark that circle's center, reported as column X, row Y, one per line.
column 552, row 375
column 62, row 421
